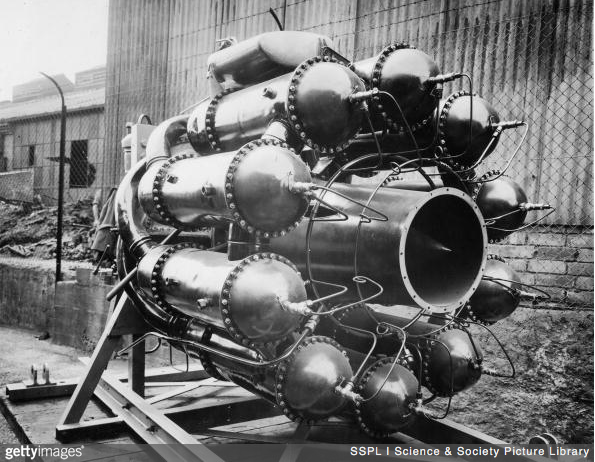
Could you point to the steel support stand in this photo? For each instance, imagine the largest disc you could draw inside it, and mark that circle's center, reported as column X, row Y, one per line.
column 125, row 398
column 128, row 406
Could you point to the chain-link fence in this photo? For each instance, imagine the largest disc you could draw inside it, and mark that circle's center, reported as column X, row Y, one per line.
column 30, row 130
column 532, row 61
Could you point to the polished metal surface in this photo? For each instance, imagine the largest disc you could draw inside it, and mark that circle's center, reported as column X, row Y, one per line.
column 264, row 56
column 130, row 217
column 467, row 134
column 430, row 252
column 167, row 140
column 250, row 187
column 451, row 363
column 313, row 101
column 303, row 386
column 319, row 106
column 461, row 132
column 233, row 118
column 387, row 390
column 497, row 295
column 403, row 72
column 500, row 202
column 440, row 346
column 229, row 295
column 306, row 382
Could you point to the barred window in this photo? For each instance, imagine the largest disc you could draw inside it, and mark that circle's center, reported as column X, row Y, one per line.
column 31, row 158
column 79, row 165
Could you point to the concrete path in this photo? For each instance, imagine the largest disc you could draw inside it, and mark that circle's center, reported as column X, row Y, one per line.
column 19, row 349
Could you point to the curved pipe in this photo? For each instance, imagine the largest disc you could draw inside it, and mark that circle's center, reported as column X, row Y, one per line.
column 169, row 136
column 135, row 238
column 130, row 216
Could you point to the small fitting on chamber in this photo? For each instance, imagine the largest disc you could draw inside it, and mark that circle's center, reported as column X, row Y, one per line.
column 346, row 391
column 301, row 308
column 363, row 95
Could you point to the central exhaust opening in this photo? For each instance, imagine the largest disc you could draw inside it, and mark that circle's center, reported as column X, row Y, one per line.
column 444, row 251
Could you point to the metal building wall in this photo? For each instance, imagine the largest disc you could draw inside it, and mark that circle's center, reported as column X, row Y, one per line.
column 44, row 134
column 532, row 59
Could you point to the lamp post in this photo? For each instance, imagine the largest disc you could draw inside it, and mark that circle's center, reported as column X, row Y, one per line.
column 60, row 181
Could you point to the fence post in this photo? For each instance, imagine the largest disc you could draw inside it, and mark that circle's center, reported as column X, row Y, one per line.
column 60, row 181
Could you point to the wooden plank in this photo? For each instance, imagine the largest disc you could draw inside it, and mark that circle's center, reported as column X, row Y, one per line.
column 151, row 425
column 20, row 391
column 98, row 363
column 227, row 410
column 446, row 431
column 136, row 366
column 34, row 422
column 100, row 428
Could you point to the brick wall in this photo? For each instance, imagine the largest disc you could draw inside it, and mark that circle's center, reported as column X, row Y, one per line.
column 556, row 259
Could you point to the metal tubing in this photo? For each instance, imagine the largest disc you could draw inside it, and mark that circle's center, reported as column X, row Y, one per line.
column 123, row 282
column 314, row 101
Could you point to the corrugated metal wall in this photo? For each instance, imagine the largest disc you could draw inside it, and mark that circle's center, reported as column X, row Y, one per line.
column 532, row 59
column 44, row 135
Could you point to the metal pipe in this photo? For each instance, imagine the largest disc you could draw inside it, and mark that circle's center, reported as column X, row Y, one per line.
column 124, row 281
column 264, row 56
column 225, row 294
column 313, row 100
column 430, row 253
column 129, row 214
column 251, row 187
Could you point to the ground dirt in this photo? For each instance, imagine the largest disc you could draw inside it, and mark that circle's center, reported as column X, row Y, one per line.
column 19, row 349
column 29, row 231
column 553, row 389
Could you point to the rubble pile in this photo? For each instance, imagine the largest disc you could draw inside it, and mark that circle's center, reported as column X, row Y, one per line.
column 29, row 231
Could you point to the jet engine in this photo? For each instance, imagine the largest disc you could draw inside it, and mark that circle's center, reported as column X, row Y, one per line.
column 328, row 230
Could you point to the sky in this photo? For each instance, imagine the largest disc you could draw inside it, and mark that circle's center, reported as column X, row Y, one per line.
column 51, row 36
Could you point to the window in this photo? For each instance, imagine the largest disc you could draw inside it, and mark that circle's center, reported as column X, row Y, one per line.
column 3, row 159
column 31, row 155
column 82, row 173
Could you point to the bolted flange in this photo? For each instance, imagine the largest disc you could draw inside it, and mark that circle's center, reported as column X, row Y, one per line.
column 296, row 120
column 157, row 280
column 210, row 127
column 160, row 178
column 367, row 427
column 285, row 368
column 226, row 302
column 230, row 196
